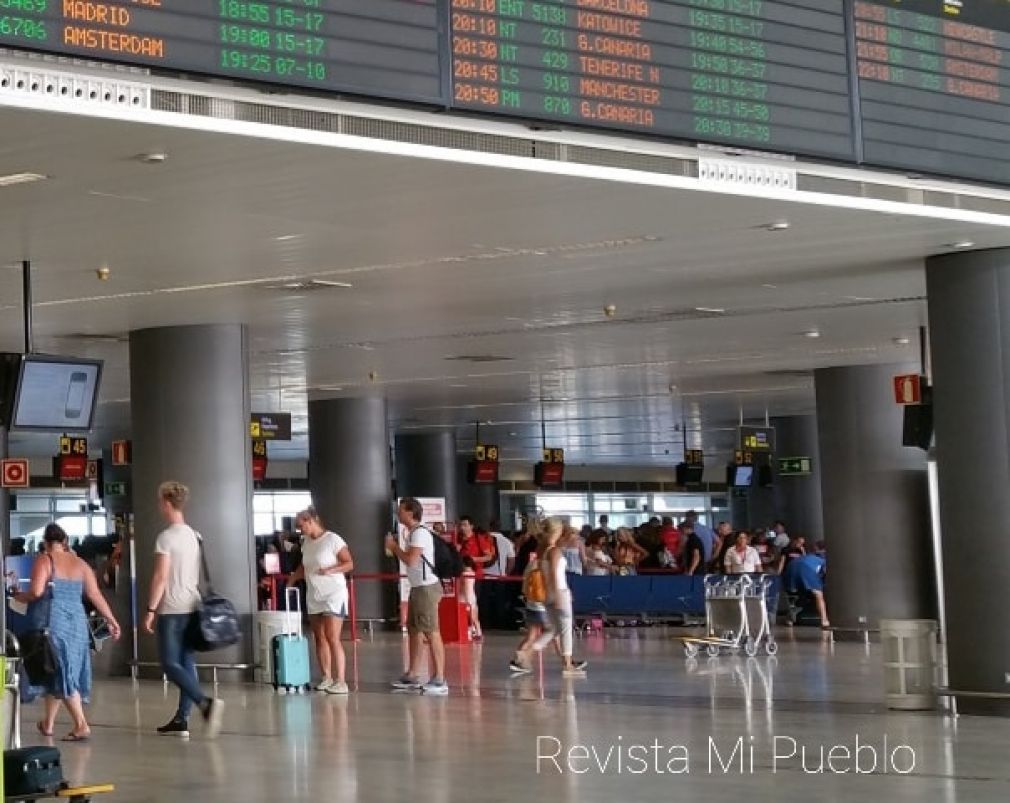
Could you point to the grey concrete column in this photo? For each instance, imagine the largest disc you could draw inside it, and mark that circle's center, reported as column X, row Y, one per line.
column 798, row 499
column 875, row 500
column 969, row 306
column 483, row 502
column 189, row 391
column 350, row 484
column 426, row 466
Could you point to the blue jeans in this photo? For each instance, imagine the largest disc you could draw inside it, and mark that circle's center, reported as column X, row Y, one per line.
column 177, row 660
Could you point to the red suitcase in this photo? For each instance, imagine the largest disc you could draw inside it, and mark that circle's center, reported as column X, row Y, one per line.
column 454, row 620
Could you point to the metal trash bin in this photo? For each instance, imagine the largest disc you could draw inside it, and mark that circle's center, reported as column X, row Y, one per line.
column 910, row 663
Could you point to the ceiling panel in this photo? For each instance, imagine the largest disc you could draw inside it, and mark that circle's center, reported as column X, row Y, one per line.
column 511, row 269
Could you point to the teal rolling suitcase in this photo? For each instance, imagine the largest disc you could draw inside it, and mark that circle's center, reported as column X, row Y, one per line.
column 291, row 651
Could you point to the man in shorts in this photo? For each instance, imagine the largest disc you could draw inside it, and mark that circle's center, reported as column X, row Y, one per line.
column 422, row 604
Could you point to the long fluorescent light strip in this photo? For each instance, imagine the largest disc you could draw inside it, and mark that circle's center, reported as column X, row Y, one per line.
column 12, row 179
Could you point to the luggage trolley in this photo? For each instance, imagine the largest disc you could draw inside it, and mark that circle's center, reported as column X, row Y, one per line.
column 736, row 613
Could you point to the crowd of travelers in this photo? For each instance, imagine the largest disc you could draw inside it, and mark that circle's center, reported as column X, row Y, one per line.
column 543, row 555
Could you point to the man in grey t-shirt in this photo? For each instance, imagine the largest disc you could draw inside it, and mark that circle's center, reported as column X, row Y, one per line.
column 173, row 601
column 422, row 606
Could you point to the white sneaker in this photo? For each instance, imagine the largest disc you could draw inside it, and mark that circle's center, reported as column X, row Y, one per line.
column 435, row 688
column 324, row 685
column 338, row 687
column 213, row 718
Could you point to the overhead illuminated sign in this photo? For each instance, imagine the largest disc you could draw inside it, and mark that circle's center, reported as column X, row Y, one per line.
column 270, row 426
column 756, row 439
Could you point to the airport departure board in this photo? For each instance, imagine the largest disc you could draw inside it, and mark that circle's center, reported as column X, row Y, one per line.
column 916, row 85
column 756, row 73
column 386, row 48
column 934, row 85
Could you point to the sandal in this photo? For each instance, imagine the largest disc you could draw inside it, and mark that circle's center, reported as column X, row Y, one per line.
column 41, row 729
column 76, row 737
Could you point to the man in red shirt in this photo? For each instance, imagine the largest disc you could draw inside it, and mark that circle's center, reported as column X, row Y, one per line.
column 473, row 546
column 670, row 537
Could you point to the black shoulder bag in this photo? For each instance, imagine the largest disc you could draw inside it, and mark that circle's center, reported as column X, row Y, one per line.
column 215, row 624
column 38, row 656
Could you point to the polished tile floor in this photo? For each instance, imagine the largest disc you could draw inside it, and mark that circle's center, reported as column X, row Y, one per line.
column 645, row 724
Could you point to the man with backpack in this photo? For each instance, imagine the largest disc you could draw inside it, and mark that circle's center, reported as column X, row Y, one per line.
column 429, row 560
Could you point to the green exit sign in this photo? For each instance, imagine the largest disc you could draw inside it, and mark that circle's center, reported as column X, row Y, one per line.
column 795, row 466
column 115, row 489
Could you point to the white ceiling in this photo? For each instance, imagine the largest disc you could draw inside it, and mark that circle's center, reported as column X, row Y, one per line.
column 448, row 260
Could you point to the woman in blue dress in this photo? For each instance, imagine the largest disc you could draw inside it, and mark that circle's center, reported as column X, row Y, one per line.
column 60, row 581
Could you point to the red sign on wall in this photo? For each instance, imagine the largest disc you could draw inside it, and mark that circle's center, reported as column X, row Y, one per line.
column 15, row 473
column 259, row 469
column 121, row 453
column 71, row 468
column 908, row 389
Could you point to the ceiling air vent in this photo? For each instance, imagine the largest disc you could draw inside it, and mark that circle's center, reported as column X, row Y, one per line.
column 95, row 338
column 479, row 358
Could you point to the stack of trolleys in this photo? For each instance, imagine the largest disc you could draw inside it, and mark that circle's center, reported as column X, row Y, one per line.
column 736, row 614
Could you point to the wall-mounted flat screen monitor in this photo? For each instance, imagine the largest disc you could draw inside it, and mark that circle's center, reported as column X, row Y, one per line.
column 56, row 394
column 743, row 476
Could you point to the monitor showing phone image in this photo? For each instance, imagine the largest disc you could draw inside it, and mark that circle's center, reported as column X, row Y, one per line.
column 743, row 476
column 57, row 394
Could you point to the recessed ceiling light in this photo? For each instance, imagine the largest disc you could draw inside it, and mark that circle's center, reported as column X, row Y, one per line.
column 777, row 225
column 281, row 238
column 770, row 286
column 902, row 341
column 513, row 434
column 153, row 158
column 713, row 310
column 813, row 334
column 327, row 283
column 21, row 178
column 963, row 244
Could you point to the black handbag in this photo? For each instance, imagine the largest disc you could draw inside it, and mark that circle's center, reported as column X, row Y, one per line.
column 215, row 624
column 38, row 655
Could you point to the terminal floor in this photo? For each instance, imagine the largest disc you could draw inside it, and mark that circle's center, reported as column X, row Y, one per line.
column 481, row 743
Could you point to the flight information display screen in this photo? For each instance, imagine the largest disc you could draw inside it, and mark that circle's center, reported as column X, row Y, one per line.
column 917, row 85
column 755, row 73
column 387, row 48
column 934, row 85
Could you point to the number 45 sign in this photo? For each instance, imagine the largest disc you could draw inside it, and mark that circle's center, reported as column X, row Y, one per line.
column 73, row 446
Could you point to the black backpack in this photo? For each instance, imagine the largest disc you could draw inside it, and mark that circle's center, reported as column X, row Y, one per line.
column 448, row 562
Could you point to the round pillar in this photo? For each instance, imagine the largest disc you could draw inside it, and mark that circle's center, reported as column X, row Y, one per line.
column 482, row 502
column 969, row 306
column 875, row 500
column 350, row 484
column 426, row 465
column 189, row 391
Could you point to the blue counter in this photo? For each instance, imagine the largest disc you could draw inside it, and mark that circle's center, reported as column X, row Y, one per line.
column 653, row 594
